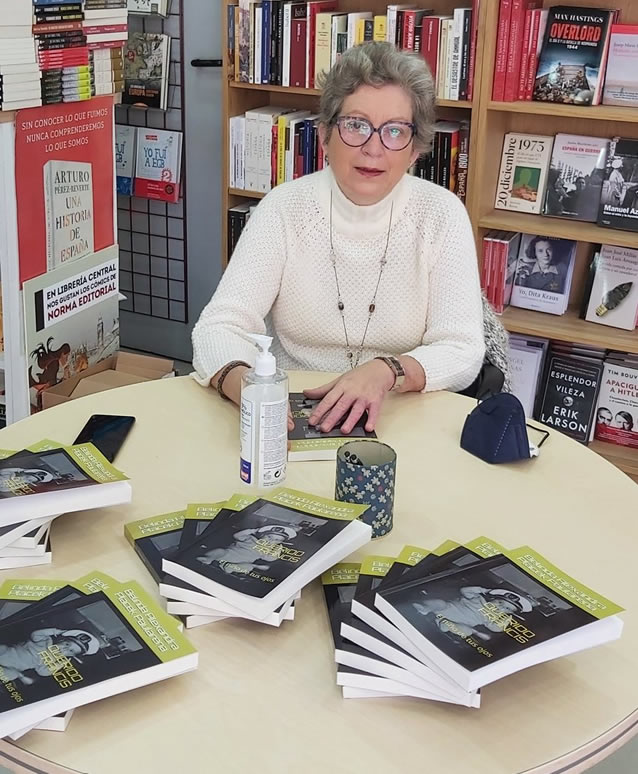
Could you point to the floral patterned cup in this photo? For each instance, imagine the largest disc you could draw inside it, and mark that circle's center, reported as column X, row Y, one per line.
column 366, row 473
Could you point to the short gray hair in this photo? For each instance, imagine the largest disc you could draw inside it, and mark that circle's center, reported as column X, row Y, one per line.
column 378, row 64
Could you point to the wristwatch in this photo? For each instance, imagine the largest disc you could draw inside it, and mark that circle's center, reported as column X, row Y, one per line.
column 394, row 364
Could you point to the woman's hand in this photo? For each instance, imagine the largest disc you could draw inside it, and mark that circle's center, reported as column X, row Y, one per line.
column 359, row 390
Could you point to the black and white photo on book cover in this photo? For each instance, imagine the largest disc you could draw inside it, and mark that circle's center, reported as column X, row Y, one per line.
column 485, row 612
column 65, row 648
column 575, row 177
column 543, row 273
column 619, row 197
column 38, row 473
column 302, row 407
column 264, row 544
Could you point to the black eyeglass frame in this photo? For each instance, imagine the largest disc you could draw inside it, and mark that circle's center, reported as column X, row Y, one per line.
column 373, row 130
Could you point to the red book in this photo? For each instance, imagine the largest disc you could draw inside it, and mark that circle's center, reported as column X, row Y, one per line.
column 93, row 30
column 486, row 265
column 539, row 22
column 298, row 26
column 473, row 36
column 411, row 20
column 522, row 76
column 298, row 152
column 105, row 44
column 430, row 42
column 314, row 7
column 500, row 59
column 515, row 47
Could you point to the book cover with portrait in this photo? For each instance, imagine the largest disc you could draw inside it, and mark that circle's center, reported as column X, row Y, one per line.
column 485, row 621
column 68, row 654
column 308, row 442
column 619, row 197
column 617, row 407
column 260, row 556
column 543, row 273
column 572, row 60
column 576, row 175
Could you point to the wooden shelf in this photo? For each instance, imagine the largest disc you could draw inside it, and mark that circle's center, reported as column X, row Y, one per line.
column 247, row 194
column 447, row 103
column 557, row 227
column 568, row 327
column 622, row 457
column 596, row 113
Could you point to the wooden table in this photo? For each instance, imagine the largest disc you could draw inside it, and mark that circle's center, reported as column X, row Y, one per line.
column 265, row 699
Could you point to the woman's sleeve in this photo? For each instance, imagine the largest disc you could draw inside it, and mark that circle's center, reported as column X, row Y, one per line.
column 245, row 294
column 453, row 345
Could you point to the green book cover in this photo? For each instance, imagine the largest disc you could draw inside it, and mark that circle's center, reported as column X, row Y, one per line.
column 374, row 569
column 17, row 594
column 344, row 572
column 154, row 538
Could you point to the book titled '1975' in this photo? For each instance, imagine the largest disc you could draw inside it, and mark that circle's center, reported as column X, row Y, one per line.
column 68, row 200
column 523, row 173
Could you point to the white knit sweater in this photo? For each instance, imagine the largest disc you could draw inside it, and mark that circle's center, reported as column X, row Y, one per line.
column 280, row 280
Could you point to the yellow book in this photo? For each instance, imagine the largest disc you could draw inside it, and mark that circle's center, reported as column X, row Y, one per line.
column 323, row 43
column 379, row 28
column 282, row 123
column 360, row 34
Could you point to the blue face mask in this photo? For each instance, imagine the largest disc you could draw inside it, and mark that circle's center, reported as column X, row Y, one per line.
column 496, row 431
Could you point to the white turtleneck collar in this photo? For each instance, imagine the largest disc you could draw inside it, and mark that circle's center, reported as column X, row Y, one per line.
column 360, row 221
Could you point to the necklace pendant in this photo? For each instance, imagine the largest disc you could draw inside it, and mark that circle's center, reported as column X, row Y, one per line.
column 340, row 306
column 350, row 355
column 371, row 308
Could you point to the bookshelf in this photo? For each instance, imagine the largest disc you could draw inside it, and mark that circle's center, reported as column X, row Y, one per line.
column 489, row 122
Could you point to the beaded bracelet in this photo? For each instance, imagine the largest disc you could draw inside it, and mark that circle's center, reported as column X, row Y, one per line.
column 226, row 370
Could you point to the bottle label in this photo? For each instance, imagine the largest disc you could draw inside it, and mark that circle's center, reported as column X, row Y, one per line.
column 273, row 442
column 263, row 442
column 246, row 441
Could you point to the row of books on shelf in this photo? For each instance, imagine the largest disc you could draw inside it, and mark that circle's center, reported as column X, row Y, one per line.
column 441, row 624
column 586, row 392
column 535, row 272
column 62, row 52
column 292, row 43
column 148, row 162
column 592, row 179
column 575, row 55
column 270, row 145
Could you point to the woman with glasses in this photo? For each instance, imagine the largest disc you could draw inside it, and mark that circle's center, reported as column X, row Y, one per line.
column 359, row 269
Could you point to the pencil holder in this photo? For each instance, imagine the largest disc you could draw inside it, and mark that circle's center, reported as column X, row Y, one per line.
column 366, row 472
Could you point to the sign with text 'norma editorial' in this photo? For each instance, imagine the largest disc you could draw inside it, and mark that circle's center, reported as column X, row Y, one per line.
column 64, row 183
column 71, row 319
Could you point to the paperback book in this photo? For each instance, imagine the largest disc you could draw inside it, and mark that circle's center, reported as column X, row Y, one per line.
column 619, row 197
column 571, row 67
column 617, row 409
column 308, row 442
column 498, row 616
column 261, row 556
column 544, row 274
column 613, row 299
column 523, row 173
column 571, row 391
column 125, row 158
column 576, row 176
column 621, row 81
column 146, row 61
column 158, row 165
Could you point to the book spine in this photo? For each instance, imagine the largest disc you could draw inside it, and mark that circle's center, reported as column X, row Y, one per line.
column 473, row 40
column 257, row 54
column 368, row 30
column 449, row 56
column 455, row 70
column 379, row 31
column 281, row 150
column 485, row 265
column 463, row 160
column 244, row 41
column 500, row 59
column 430, row 43
column 274, row 150
column 266, row 40
column 285, row 45
column 464, row 66
column 278, row 66
column 230, row 33
column 525, row 53
column 603, row 60
column 409, row 23
column 237, row 70
column 501, row 269
column 535, row 42
column 515, row 48
column 298, row 53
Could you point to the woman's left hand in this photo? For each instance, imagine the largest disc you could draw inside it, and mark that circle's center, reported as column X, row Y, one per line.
column 352, row 393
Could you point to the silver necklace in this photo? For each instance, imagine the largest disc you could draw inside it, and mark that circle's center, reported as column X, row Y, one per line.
column 355, row 357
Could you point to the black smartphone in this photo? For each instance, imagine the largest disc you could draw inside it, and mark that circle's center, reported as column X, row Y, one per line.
column 106, row 432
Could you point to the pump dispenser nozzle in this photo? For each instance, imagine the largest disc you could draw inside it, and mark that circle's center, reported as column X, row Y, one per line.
column 265, row 363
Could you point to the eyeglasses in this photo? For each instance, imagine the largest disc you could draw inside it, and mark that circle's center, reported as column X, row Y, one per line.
column 355, row 132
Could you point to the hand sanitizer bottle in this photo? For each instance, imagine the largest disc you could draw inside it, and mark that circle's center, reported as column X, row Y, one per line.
column 264, row 420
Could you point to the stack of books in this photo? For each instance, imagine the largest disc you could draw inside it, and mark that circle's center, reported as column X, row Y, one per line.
column 63, row 54
column 106, row 29
column 19, row 71
column 40, row 483
column 247, row 557
column 441, row 625
column 67, row 644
